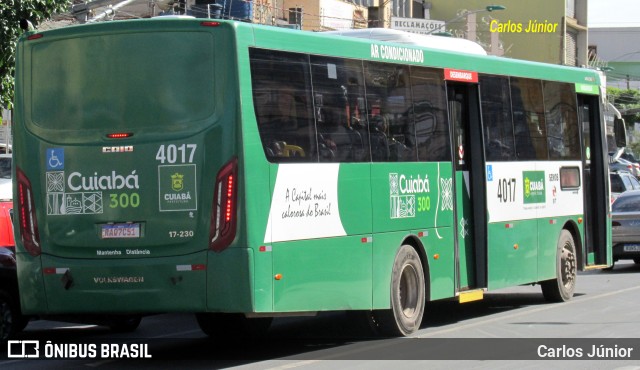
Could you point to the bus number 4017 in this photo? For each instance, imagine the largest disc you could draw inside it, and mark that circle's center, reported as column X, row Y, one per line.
column 507, row 190
column 176, row 153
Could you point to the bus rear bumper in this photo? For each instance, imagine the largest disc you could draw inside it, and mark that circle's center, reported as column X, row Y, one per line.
column 139, row 285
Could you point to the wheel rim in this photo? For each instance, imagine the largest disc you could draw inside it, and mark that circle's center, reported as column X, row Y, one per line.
column 409, row 291
column 568, row 266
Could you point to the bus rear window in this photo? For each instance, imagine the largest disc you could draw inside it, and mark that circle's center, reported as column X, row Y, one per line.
column 122, row 80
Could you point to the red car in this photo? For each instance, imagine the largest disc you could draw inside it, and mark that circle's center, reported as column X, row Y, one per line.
column 6, row 226
column 6, row 202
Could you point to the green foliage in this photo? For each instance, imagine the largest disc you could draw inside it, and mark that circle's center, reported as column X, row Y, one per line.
column 11, row 11
column 625, row 100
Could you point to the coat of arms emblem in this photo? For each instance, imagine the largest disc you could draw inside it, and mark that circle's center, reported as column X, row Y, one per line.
column 177, row 183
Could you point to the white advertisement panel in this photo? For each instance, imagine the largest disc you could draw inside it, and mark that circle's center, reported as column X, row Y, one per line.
column 528, row 190
column 305, row 203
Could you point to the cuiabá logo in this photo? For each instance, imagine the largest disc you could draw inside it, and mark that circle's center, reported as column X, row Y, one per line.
column 534, row 187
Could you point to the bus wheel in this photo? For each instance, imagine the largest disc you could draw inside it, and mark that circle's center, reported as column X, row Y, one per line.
column 234, row 325
column 561, row 288
column 11, row 320
column 407, row 295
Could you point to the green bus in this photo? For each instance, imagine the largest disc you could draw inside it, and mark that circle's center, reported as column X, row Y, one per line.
column 243, row 172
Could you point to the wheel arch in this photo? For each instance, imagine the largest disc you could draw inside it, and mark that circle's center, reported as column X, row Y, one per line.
column 573, row 229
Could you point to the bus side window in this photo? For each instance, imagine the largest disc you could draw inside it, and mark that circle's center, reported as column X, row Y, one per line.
column 528, row 118
column 389, row 104
column 284, row 110
column 338, row 91
column 496, row 116
column 562, row 120
column 429, row 112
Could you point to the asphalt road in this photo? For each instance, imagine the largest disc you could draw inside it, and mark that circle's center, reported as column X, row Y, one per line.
column 510, row 328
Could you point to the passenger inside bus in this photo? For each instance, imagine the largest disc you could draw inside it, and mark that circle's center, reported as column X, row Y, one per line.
column 334, row 135
column 379, row 140
column 281, row 120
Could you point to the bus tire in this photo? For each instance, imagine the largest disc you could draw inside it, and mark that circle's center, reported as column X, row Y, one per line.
column 11, row 320
column 561, row 288
column 407, row 296
column 232, row 325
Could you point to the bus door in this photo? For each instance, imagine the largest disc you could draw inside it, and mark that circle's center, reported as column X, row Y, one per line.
column 470, row 226
column 595, row 177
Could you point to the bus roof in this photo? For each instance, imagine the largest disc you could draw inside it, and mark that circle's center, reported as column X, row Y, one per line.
column 435, row 55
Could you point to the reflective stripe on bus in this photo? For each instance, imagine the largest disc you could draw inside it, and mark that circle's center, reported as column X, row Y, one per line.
column 190, row 267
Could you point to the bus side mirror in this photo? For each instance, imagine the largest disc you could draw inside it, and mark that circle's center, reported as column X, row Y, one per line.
column 620, row 132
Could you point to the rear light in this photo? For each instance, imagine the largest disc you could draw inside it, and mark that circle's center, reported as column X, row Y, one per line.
column 210, row 24
column 35, row 36
column 119, row 135
column 27, row 215
column 224, row 208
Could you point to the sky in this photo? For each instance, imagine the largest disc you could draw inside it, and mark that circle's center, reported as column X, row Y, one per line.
column 613, row 13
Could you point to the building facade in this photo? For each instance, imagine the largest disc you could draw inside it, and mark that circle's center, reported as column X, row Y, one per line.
column 550, row 31
column 616, row 50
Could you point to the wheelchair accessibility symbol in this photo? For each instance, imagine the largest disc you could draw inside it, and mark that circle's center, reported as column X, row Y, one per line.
column 55, row 159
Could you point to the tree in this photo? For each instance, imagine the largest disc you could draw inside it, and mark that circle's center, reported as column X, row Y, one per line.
column 11, row 12
column 626, row 101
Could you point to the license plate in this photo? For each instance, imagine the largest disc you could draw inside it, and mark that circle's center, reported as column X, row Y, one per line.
column 117, row 231
column 631, row 248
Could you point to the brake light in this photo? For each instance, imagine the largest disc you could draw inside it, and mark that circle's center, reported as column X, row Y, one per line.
column 224, row 208
column 29, row 234
column 119, row 135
